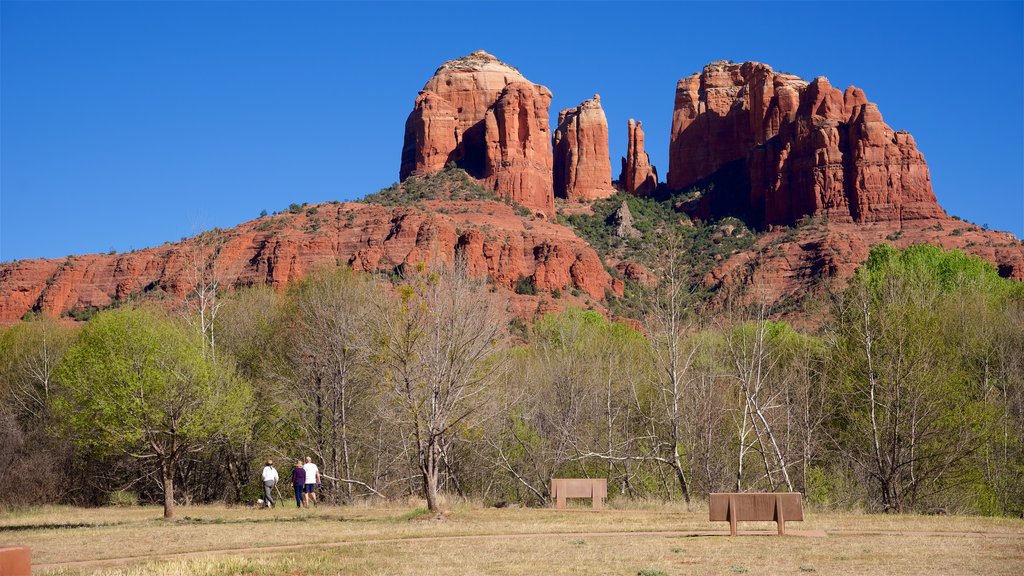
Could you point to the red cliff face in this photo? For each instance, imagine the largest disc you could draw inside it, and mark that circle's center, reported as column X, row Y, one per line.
column 484, row 116
column 276, row 250
column 518, row 147
column 638, row 176
column 794, row 148
column 582, row 169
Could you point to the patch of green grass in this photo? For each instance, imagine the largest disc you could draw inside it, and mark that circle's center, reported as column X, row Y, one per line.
column 413, row 514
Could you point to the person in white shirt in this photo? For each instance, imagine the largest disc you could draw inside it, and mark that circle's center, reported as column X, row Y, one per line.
column 312, row 479
column 270, row 479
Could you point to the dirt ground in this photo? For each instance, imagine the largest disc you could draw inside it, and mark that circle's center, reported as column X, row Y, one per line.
column 628, row 539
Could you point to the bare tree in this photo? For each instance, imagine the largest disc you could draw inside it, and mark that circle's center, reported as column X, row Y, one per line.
column 330, row 345
column 438, row 354
column 659, row 403
column 203, row 303
column 755, row 357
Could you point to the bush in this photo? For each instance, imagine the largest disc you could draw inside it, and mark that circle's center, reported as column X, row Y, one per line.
column 526, row 285
column 122, row 499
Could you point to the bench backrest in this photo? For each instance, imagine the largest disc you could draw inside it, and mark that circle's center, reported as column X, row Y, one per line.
column 756, row 506
column 579, row 487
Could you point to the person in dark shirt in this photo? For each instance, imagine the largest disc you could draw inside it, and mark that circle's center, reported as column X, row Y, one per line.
column 298, row 482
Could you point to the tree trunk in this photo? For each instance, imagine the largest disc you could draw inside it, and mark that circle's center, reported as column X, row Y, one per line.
column 167, row 468
column 430, row 477
column 430, row 489
column 677, row 465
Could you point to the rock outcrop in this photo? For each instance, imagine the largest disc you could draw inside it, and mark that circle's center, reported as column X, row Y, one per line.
column 623, row 220
column 518, row 147
column 787, row 264
column 789, row 149
column 484, row 116
column 276, row 250
column 638, row 176
column 582, row 167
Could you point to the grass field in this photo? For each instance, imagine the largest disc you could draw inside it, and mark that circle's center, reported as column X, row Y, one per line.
column 626, row 539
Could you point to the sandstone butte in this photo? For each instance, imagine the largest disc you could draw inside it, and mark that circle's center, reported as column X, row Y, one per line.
column 582, row 166
column 484, row 116
column 498, row 244
column 788, row 151
column 638, row 176
column 791, row 149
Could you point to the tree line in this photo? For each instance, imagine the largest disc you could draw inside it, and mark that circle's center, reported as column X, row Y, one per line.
column 906, row 395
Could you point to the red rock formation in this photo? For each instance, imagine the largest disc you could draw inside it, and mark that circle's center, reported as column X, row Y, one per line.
column 793, row 149
column 518, row 147
column 781, row 266
column 638, row 176
column 276, row 250
column 582, row 169
column 462, row 116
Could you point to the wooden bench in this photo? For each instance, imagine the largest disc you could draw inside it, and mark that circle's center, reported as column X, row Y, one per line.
column 594, row 488
column 15, row 561
column 777, row 507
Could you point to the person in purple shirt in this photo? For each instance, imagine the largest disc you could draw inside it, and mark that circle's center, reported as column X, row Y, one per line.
column 298, row 482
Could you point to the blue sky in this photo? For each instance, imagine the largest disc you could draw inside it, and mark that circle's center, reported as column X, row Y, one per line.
column 127, row 124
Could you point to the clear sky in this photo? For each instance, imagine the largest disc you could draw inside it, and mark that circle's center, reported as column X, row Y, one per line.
column 127, row 124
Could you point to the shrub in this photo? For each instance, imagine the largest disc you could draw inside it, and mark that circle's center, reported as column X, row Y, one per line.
column 123, row 498
column 526, row 285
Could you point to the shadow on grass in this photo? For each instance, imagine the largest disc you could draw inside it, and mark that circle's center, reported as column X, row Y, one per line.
column 52, row 526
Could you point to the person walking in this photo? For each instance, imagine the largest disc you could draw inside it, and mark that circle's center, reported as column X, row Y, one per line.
column 299, row 483
column 312, row 479
column 270, row 479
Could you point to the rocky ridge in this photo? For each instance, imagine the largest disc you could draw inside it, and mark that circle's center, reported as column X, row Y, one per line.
column 498, row 244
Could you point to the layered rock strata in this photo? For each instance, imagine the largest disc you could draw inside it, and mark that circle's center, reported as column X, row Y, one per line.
column 582, row 166
column 638, row 176
column 485, row 117
column 791, row 149
column 498, row 244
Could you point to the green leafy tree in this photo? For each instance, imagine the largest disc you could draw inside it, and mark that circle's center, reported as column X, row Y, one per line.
column 911, row 411
column 138, row 383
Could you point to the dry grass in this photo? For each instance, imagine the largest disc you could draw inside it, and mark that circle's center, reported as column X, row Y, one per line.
column 365, row 540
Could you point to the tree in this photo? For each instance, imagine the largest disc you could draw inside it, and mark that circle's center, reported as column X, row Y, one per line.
column 776, row 374
column 329, row 345
column 660, row 399
column 29, row 355
column 30, row 352
column 437, row 354
column 138, row 383
column 566, row 402
column 909, row 415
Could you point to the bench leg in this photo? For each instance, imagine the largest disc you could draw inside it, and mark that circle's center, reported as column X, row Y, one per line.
column 560, row 502
column 731, row 513
column 596, row 502
column 778, row 516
